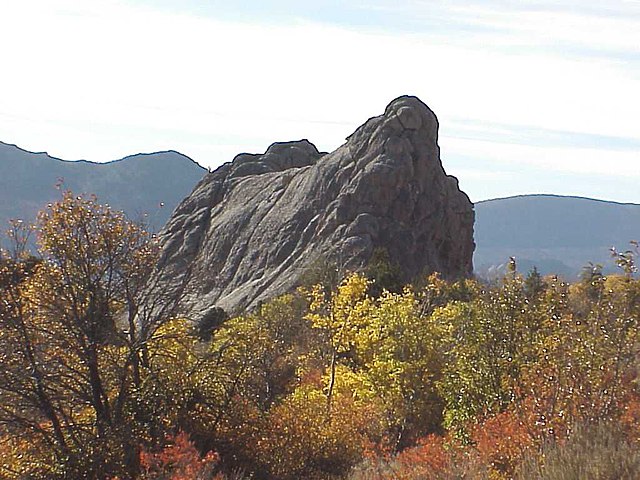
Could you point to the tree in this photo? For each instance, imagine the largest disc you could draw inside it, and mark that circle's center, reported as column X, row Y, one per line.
column 340, row 316
column 383, row 350
column 534, row 284
column 490, row 340
column 75, row 340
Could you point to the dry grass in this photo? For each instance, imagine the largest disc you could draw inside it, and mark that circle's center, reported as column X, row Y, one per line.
column 593, row 452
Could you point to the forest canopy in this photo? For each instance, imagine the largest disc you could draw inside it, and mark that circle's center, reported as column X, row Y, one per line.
column 529, row 377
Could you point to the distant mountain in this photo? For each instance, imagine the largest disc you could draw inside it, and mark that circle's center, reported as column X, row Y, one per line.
column 146, row 186
column 556, row 234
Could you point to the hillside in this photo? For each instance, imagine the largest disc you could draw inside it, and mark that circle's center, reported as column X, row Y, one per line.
column 145, row 186
column 556, row 234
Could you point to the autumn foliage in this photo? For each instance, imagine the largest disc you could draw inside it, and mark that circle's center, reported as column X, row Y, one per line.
column 525, row 378
column 178, row 460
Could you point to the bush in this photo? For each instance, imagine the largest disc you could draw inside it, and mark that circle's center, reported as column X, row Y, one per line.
column 434, row 458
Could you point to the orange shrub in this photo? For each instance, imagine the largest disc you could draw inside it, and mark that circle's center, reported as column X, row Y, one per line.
column 502, row 441
column 430, row 459
column 179, row 460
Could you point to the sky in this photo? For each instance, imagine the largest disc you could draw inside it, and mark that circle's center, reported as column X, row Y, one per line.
column 532, row 96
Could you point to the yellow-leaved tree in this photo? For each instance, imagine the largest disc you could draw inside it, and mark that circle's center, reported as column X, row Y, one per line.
column 77, row 344
column 383, row 351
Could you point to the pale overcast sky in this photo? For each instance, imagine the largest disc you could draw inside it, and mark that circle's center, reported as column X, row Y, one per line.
column 532, row 96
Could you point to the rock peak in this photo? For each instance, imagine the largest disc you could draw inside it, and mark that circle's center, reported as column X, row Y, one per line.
column 412, row 114
column 254, row 226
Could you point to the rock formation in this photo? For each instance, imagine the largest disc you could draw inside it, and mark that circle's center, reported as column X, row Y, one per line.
column 252, row 227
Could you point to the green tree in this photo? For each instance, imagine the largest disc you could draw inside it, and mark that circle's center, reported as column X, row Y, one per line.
column 490, row 340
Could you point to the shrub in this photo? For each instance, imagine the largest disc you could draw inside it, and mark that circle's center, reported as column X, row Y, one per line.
column 179, row 460
column 434, row 458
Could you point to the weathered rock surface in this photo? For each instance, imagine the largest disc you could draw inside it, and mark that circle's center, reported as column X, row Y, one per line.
column 252, row 227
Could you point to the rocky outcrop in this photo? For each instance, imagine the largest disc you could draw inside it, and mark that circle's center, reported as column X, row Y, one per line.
column 252, row 227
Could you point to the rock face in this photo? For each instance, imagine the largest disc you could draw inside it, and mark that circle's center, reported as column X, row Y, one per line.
column 252, row 227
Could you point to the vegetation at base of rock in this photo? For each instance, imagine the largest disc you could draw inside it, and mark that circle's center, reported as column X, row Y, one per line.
column 530, row 377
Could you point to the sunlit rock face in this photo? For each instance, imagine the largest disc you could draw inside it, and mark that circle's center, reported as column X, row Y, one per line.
column 252, row 227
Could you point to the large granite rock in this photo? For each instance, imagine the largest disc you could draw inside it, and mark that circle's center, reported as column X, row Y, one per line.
column 252, row 227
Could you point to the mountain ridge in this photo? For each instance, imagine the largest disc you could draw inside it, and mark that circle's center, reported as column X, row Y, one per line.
column 554, row 195
column 555, row 233
column 146, row 184
column 108, row 162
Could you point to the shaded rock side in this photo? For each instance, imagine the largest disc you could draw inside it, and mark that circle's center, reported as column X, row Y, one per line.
column 254, row 226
